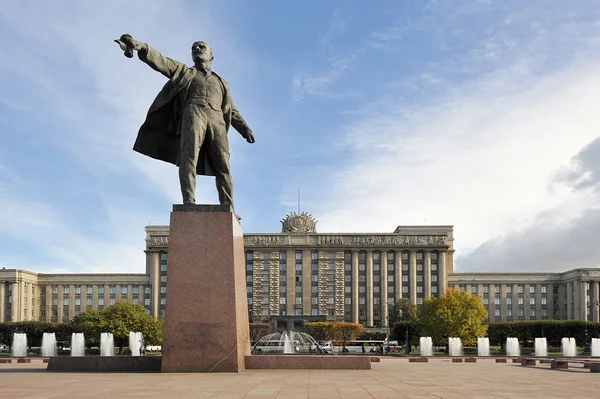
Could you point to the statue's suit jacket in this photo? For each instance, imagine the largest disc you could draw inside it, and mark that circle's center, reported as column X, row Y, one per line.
column 159, row 136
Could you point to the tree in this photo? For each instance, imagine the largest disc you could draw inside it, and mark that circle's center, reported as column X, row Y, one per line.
column 258, row 330
column 344, row 332
column 91, row 323
column 320, row 330
column 404, row 312
column 455, row 314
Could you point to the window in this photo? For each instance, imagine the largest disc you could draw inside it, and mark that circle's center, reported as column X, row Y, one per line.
column 474, row 289
column 544, row 313
column 404, row 278
column 331, row 277
column 266, row 256
column 361, row 267
column 147, row 290
column 361, row 279
column 282, row 289
column 508, row 312
column 249, row 301
column 314, row 300
column 314, row 312
column 532, row 289
column 249, row 267
column 405, row 290
column 390, row 278
column 265, row 288
column 361, row 301
column 331, row 266
column 348, row 290
column 434, row 256
column 362, row 289
column 509, row 301
column 532, row 301
column 298, row 255
column 282, row 267
column 543, row 288
column 348, row 301
column 404, row 255
column 497, row 312
column 113, row 290
column 283, row 278
column 112, row 301
column 101, row 301
column 331, row 300
column 486, row 301
column 283, row 255
column 147, row 301
column 520, row 301
column 543, row 300
column 248, row 279
column 419, row 278
column 390, row 255
column 330, row 255
column 266, row 266
column 434, row 267
column 521, row 312
column 54, row 301
column 314, row 289
column 282, row 300
column 89, row 290
column 298, row 267
column 434, row 289
column 266, row 300
column 100, row 290
column 314, row 255
column 419, row 301
column 249, row 255
column 163, row 279
column 265, row 312
column 77, row 290
column 89, row 302
column 390, row 267
column 299, row 278
column 532, row 312
column 123, row 290
column 163, row 290
column 496, row 301
column 249, row 290
column 163, row 268
column 434, row 279
column 315, row 277
column 348, row 267
column 405, row 267
column 520, row 289
column 419, row 255
column 163, row 256
column 509, row 289
column 348, row 279
column 419, row 267
column 420, row 289
column 77, row 302
column 497, row 289
column 67, row 290
column 265, row 277
column 298, row 300
column 486, row 289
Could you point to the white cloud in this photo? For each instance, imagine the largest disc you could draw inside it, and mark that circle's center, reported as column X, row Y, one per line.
column 479, row 155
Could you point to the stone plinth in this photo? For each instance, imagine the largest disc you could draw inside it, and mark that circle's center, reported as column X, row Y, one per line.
column 206, row 320
column 307, row 362
column 99, row 364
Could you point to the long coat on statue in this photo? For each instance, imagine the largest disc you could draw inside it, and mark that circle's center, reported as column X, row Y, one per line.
column 159, row 136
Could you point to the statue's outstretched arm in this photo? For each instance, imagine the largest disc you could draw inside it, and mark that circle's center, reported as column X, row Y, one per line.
column 153, row 58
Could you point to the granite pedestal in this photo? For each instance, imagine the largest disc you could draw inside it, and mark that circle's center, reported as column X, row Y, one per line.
column 206, row 314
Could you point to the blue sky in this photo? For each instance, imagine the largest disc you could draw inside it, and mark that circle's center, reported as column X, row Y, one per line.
column 478, row 114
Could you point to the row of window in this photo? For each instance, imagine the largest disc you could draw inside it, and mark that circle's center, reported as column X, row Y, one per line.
column 347, row 255
column 112, row 301
column 509, row 287
column 113, row 290
column 520, row 301
column 348, row 267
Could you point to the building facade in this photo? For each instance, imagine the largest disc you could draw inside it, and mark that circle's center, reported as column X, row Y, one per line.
column 300, row 272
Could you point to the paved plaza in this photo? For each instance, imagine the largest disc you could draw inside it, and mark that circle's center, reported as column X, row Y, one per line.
column 392, row 378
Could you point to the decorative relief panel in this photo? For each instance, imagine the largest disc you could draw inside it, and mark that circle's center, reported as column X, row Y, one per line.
column 274, row 287
column 377, row 240
column 339, row 289
column 257, row 292
column 299, row 223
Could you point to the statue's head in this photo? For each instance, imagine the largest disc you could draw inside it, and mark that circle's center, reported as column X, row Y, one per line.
column 202, row 53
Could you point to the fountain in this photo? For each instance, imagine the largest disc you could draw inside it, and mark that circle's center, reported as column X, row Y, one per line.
column 19, row 346
column 288, row 343
column 455, row 347
column 595, row 346
column 512, row 347
column 135, row 342
column 426, row 346
column 568, row 347
column 77, row 344
column 483, row 346
column 541, row 347
column 48, row 344
column 107, row 344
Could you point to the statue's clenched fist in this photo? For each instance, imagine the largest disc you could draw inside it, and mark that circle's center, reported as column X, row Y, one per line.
column 128, row 44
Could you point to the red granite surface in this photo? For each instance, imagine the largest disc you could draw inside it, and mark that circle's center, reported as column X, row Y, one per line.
column 308, row 362
column 206, row 320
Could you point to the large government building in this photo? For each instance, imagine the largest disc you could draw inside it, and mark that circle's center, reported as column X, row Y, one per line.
column 300, row 273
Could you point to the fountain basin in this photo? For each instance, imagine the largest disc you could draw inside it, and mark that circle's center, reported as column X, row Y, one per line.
column 308, row 362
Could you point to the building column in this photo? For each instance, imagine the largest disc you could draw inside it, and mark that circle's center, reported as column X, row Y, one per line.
column 538, row 301
column 583, row 313
column 569, row 304
column 383, row 284
column 442, row 273
column 355, row 286
column 426, row 274
column 412, row 276
column 369, row 289
column 594, row 301
column 397, row 276
column 492, row 304
column 2, row 301
column 16, row 296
